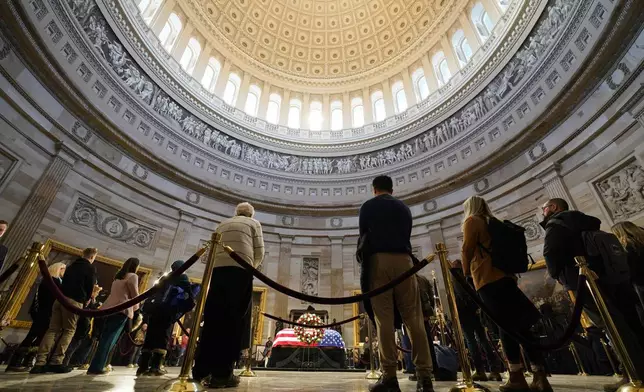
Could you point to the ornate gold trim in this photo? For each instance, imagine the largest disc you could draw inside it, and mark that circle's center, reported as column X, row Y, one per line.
column 31, row 278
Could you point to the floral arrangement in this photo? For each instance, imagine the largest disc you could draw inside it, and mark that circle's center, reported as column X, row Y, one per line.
column 309, row 335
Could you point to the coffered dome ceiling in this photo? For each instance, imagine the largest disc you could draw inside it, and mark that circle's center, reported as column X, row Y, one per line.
column 324, row 38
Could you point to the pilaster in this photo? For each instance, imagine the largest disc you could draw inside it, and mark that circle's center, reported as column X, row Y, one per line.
column 554, row 184
column 178, row 247
column 162, row 16
column 263, row 100
column 389, row 99
column 181, row 43
column 284, row 106
column 222, row 79
column 346, row 111
column 430, row 76
column 410, row 92
column 242, row 96
column 468, row 29
column 24, row 226
column 202, row 62
column 283, row 275
column 367, row 106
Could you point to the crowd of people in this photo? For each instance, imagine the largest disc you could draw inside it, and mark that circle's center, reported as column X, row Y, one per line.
column 59, row 339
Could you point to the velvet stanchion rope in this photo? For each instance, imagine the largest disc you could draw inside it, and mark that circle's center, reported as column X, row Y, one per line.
column 117, row 308
column 405, row 350
column 9, row 271
column 568, row 333
column 325, row 300
column 326, row 326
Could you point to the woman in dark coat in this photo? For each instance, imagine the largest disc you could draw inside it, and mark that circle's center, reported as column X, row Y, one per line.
column 162, row 312
column 40, row 311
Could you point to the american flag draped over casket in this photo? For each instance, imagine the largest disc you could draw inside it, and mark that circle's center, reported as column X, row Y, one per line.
column 287, row 338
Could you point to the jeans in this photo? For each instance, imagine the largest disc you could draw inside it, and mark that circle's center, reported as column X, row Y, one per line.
column 478, row 343
column 136, row 353
column 109, row 336
column 406, row 344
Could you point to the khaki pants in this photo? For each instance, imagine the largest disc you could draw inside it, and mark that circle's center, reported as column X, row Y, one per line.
column 63, row 323
column 385, row 267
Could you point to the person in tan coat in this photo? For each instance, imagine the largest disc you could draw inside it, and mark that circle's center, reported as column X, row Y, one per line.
column 500, row 293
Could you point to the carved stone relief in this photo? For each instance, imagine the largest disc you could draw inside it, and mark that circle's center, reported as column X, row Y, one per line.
column 98, row 219
column 104, row 41
column 309, row 277
column 533, row 231
column 622, row 191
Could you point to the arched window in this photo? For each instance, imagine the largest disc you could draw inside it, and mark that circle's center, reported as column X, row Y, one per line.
column 482, row 21
column 294, row 112
column 357, row 112
column 420, row 84
column 190, row 55
column 337, row 116
column 400, row 99
column 252, row 100
column 441, row 68
column 170, row 32
column 148, row 9
column 315, row 116
column 378, row 103
column 211, row 74
column 273, row 109
column 232, row 89
column 461, row 47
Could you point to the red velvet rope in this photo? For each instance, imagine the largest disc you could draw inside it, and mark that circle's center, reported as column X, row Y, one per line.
column 9, row 271
column 67, row 304
column 326, row 300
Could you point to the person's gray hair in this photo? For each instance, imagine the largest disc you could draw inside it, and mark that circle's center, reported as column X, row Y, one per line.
column 245, row 209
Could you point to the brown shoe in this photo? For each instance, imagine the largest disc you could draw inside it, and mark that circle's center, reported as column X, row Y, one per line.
column 540, row 382
column 516, row 383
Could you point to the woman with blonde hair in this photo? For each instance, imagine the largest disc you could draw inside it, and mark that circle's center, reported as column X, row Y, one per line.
column 40, row 311
column 500, row 293
column 632, row 238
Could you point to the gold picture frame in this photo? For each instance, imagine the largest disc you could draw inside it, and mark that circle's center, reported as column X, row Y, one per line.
column 57, row 246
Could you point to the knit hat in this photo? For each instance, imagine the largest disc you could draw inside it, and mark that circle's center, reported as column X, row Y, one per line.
column 177, row 264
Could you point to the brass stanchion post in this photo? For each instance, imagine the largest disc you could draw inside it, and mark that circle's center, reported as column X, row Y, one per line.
column 467, row 384
column 27, row 272
column 185, row 382
column 248, row 370
column 635, row 383
column 611, row 360
column 575, row 355
column 373, row 374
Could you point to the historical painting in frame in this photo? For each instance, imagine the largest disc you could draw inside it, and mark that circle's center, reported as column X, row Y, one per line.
column 54, row 252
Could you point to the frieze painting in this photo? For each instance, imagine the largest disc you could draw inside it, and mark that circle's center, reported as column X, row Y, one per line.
column 622, row 192
column 103, row 41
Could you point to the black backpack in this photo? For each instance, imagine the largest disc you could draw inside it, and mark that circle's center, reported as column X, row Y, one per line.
column 509, row 246
column 604, row 254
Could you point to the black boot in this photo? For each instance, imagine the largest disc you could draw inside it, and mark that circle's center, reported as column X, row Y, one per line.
column 424, row 385
column 30, row 358
column 156, row 363
column 16, row 363
column 385, row 384
column 144, row 362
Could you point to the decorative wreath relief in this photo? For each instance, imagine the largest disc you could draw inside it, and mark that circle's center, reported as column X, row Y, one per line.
column 309, row 335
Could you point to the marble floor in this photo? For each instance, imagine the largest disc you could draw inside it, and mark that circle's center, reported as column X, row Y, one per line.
column 123, row 379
